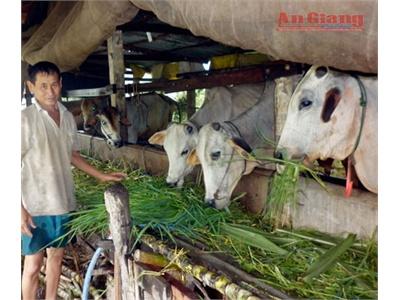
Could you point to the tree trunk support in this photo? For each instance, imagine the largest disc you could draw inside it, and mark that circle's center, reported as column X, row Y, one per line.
column 117, row 205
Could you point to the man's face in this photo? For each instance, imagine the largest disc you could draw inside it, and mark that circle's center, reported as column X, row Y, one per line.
column 47, row 89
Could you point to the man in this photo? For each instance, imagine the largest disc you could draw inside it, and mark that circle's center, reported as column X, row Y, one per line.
column 48, row 148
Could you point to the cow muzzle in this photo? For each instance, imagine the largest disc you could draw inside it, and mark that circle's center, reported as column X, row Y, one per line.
column 115, row 144
column 210, row 202
column 172, row 184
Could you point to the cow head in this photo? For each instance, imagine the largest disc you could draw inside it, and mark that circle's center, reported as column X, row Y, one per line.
column 323, row 117
column 222, row 164
column 98, row 116
column 89, row 109
column 110, row 119
column 178, row 140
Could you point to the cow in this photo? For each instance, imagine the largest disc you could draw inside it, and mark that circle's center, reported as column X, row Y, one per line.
column 148, row 113
column 221, row 104
column 334, row 114
column 221, row 145
column 99, row 117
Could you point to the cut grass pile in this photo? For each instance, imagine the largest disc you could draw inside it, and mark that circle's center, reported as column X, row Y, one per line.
column 301, row 263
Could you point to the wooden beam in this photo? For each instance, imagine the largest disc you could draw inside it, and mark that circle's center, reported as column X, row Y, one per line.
column 157, row 28
column 221, row 78
column 117, row 71
column 201, row 80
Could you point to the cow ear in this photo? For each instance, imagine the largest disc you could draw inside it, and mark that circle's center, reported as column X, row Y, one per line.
column 125, row 121
column 321, row 71
column 241, row 147
column 192, row 158
column 332, row 99
column 158, row 138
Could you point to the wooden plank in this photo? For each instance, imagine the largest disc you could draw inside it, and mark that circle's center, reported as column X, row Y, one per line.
column 102, row 91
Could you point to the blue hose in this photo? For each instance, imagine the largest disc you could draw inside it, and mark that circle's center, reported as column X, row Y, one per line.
column 88, row 276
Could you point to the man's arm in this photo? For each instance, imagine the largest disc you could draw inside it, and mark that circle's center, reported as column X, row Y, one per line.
column 79, row 162
column 26, row 222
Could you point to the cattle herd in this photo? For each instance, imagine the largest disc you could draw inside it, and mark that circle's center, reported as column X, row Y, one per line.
column 331, row 114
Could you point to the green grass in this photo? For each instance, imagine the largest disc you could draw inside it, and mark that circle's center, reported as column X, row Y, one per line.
column 281, row 258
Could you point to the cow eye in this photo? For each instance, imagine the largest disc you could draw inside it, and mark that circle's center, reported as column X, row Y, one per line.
column 304, row 103
column 93, row 108
column 215, row 155
column 184, row 152
column 104, row 123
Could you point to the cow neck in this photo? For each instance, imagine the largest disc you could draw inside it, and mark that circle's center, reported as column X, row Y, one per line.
column 363, row 104
column 258, row 119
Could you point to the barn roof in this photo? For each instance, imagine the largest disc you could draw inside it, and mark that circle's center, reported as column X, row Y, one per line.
column 73, row 34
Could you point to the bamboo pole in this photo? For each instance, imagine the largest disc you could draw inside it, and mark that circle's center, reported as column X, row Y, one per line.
column 219, row 282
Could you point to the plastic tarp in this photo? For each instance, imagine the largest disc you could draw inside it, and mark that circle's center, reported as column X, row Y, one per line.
column 255, row 25
column 73, row 30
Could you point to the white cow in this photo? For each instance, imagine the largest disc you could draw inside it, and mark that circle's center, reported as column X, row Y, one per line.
column 223, row 103
column 220, row 144
column 325, row 119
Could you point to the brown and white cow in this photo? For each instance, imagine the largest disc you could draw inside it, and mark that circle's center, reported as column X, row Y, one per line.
column 99, row 117
column 222, row 103
column 325, row 120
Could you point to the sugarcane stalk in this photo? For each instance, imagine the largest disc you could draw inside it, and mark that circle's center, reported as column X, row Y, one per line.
column 72, row 282
column 71, row 274
column 150, row 258
column 159, row 261
column 60, row 291
column 219, row 282
column 222, row 265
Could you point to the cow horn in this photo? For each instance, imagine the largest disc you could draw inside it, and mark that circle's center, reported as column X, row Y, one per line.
column 216, row 126
column 321, row 71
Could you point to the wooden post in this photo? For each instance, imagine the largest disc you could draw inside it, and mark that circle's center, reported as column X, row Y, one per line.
column 283, row 93
column 117, row 205
column 191, row 103
column 116, row 72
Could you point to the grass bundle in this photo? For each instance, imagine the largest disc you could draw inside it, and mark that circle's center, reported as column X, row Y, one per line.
column 280, row 258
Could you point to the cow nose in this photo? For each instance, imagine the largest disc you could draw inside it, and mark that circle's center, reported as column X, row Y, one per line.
column 210, row 202
column 172, row 184
column 118, row 144
column 278, row 154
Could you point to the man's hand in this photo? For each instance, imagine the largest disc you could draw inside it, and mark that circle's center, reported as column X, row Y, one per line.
column 78, row 161
column 115, row 176
column 26, row 222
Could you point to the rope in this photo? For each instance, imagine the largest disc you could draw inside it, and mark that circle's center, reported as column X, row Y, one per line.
column 363, row 104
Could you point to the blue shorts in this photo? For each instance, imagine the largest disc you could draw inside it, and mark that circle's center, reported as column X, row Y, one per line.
column 47, row 234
